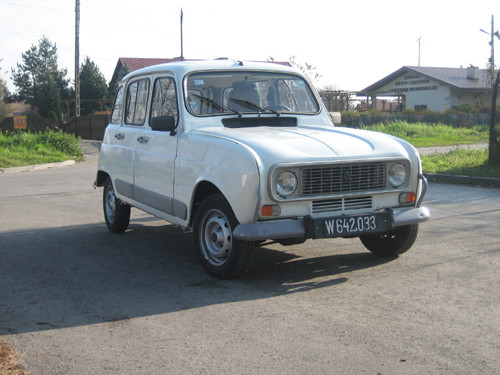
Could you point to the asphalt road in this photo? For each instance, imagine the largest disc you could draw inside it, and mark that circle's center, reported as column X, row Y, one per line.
column 76, row 299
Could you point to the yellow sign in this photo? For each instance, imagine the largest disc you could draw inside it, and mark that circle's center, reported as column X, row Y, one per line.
column 20, row 122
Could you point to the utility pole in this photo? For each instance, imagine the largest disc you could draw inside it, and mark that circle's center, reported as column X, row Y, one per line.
column 182, row 44
column 492, row 52
column 77, row 59
column 419, row 50
column 492, row 44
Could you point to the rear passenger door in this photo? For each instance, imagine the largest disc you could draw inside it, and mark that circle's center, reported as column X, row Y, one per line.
column 154, row 170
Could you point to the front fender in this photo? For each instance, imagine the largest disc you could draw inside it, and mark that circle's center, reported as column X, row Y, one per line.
column 228, row 165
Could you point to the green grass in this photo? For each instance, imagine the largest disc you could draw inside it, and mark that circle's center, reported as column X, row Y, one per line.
column 457, row 162
column 460, row 162
column 429, row 135
column 21, row 148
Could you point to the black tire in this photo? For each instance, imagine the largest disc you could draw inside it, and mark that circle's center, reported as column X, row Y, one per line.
column 218, row 252
column 393, row 243
column 116, row 213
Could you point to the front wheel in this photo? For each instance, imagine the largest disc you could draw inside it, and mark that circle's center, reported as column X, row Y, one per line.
column 116, row 213
column 219, row 253
column 392, row 243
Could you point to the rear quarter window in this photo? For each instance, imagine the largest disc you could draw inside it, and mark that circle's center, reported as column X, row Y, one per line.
column 116, row 116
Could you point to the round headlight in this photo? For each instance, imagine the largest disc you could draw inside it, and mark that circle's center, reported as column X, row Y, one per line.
column 286, row 183
column 397, row 175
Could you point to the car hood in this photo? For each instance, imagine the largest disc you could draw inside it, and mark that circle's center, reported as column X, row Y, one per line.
column 308, row 143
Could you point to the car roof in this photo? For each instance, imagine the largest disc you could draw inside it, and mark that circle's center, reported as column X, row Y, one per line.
column 181, row 68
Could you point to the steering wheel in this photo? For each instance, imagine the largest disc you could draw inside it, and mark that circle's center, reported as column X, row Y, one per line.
column 279, row 107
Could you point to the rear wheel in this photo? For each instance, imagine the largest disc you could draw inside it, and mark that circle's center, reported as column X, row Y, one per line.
column 116, row 213
column 392, row 243
column 219, row 253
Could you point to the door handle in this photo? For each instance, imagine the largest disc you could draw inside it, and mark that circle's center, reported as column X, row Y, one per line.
column 143, row 139
column 120, row 136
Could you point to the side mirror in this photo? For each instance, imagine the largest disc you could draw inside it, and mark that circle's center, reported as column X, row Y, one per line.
column 163, row 124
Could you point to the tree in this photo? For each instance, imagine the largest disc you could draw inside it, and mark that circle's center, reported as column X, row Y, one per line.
column 39, row 80
column 494, row 141
column 308, row 69
column 93, row 87
column 4, row 94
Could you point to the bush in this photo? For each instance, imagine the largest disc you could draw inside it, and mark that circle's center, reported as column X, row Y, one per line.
column 64, row 142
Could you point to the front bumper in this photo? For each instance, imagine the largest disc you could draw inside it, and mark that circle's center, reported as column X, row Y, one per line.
column 302, row 228
column 277, row 230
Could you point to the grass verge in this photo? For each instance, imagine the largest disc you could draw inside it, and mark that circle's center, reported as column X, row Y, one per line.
column 457, row 162
column 430, row 135
column 19, row 149
column 461, row 162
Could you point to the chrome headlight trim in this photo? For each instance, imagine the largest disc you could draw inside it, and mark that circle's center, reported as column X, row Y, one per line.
column 286, row 183
column 397, row 175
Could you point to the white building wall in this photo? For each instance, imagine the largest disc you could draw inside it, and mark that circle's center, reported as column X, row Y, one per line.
column 420, row 91
column 462, row 97
column 437, row 99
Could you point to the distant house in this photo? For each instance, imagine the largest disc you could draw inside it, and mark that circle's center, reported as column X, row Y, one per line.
column 436, row 89
column 126, row 65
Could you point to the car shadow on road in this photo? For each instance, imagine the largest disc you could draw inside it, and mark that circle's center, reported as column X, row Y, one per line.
column 79, row 275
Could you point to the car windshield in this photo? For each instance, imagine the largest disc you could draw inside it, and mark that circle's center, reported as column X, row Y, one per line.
column 221, row 92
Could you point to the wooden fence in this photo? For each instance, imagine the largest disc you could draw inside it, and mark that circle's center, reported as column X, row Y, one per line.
column 33, row 123
column 87, row 127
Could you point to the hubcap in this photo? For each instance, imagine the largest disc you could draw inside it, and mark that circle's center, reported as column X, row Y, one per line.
column 216, row 237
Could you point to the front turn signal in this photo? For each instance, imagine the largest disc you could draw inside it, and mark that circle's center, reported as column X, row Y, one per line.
column 270, row 210
column 407, row 198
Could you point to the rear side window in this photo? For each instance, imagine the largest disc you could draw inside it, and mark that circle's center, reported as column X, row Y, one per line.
column 164, row 99
column 116, row 116
column 137, row 100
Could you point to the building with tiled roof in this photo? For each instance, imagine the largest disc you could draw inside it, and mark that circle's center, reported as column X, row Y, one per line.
column 436, row 89
column 126, row 65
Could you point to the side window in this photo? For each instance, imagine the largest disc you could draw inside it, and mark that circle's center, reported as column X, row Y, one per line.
column 116, row 116
column 164, row 98
column 137, row 99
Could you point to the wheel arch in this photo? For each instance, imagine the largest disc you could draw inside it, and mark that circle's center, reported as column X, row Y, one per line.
column 101, row 178
column 203, row 190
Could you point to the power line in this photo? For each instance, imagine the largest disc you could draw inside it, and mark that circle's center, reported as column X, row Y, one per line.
column 25, row 34
column 34, row 6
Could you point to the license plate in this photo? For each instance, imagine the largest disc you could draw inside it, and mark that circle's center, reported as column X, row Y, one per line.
column 353, row 225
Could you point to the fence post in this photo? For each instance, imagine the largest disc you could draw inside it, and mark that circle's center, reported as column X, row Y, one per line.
column 90, row 127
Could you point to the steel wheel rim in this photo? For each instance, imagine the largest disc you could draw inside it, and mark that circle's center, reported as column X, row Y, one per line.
column 110, row 204
column 216, row 237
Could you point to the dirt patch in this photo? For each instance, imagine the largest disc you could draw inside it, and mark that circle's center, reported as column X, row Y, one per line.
column 9, row 361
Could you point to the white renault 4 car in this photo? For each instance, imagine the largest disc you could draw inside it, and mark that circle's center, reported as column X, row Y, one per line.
column 243, row 153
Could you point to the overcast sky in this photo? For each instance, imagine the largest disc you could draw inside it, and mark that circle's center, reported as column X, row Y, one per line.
column 352, row 43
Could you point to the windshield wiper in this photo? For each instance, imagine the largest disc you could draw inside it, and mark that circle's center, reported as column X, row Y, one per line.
column 216, row 105
column 250, row 105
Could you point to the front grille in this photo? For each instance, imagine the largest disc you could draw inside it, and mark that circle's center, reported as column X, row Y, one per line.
column 342, row 204
column 343, row 178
